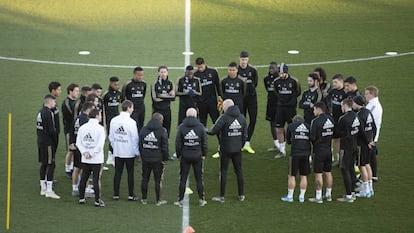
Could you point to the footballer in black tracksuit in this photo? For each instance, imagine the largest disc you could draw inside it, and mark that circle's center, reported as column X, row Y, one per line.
column 271, row 106
column 188, row 89
column 47, row 140
column 287, row 91
column 161, row 100
column 322, row 130
column 297, row 134
column 367, row 136
column 153, row 146
column 231, row 126
column 349, row 127
column 207, row 102
column 309, row 98
column 250, row 77
column 68, row 113
column 77, row 123
column 135, row 92
column 334, row 100
column 235, row 89
column 191, row 147
column 111, row 100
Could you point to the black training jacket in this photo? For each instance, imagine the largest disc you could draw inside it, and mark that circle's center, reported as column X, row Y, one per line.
column 369, row 129
column 46, row 128
column 297, row 134
column 153, row 142
column 191, row 140
column 322, row 129
column 349, row 127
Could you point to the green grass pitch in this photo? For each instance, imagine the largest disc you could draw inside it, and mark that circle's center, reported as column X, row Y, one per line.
column 151, row 33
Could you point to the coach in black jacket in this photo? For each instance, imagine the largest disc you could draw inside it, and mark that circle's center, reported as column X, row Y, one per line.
column 231, row 127
column 153, row 145
column 191, row 147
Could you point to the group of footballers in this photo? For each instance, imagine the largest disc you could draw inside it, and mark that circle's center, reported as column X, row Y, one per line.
column 337, row 119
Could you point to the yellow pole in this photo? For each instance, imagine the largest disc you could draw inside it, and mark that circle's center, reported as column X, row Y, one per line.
column 8, row 172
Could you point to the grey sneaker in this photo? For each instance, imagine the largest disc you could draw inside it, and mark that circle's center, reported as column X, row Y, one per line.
column 345, row 199
column 328, row 198
column 273, row 149
column 100, row 203
column 219, row 199
column 115, row 198
column 82, row 201
column 144, row 201
column 280, row 155
column 315, row 200
column 242, row 198
column 202, row 202
column 179, row 203
column 75, row 193
column 161, row 202
column 132, row 198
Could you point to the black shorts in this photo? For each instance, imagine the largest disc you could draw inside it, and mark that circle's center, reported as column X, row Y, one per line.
column 284, row 115
column 271, row 111
column 299, row 163
column 364, row 157
column 336, row 134
column 322, row 163
column 77, row 157
column 47, row 154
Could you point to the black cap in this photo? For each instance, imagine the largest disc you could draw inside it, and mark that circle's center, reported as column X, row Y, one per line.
column 283, row 68
column 244, row 54
column 113, row 79
column 360, row 100
column 188, row 68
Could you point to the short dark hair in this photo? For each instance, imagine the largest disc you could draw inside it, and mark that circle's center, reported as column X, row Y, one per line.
column 94, row 112
column 96, row 86
column 322, row 72
column 157, row 116
column 113, row 79
column 233, row 64
column 85, row 89
column 348, row 102
column 199, row 61
column 298, row 118
column 138, row 68
column 54, row 85
column 244, row 54
column 87, row 106
column 313, row 76
column 71, row 87
column 91, row 97
column 321, row 105
column 351, row 80
column 126, row 104
column 338, row 76
column 162, row 67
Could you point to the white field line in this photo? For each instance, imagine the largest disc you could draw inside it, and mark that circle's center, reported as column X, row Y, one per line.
column 181, row 68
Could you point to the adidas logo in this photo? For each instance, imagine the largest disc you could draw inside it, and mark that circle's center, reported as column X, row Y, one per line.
column 328, row 124
column 150, row 137
column 88, row 138
column 235, row 125
column 356, row 122
column 369, row 119
column 121, row 130
column 302, row 128
column 191, row 135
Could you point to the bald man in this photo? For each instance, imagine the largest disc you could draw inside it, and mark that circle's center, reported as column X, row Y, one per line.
column 231, row 126
column 191, row 148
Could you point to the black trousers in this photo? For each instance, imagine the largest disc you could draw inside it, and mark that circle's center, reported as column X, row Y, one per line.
column 166, row 113
column 347, row 159
column 185, row 165
column 96, row 170
column 236, row 159
column 182, row 110
column 250, row 106
column 373, row 161
column 158, row 169
column 47, row 154
column 206, row 109
column 139, row 117
column 119, row 168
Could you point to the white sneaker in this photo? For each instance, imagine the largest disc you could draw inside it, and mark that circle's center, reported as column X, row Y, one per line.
column 280, row 155
column 42, row 192
column 161, row 202
column 202, row 202
column 52, row 195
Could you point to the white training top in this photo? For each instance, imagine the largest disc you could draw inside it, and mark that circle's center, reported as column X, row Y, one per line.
column 91, row 138
column 123, row 136
column 376, row 109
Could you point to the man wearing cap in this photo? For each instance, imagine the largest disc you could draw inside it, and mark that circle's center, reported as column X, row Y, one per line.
column 162, row 93
column 134, row 90
column 250, row 77
column 365, row 142
column 374, row 105
column 287, row 89
column 271, row 106
column 112, row 100
column 310, row 97
column 188, row 89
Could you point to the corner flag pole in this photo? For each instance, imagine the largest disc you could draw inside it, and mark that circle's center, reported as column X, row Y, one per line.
column 8, row 171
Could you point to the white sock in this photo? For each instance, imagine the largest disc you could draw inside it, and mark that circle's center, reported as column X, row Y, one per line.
column 290, row 193
column 247, row 143
column 67, row 167
column 49, row 186
column 283, row 148
column 302, row 193
column 318, row 194
column 365, row 186
column 71, row 166
column 337, row 156
column 43, row 184
column 75, row 187
column 276, row 142
column 371, row 188
column 328, row 192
